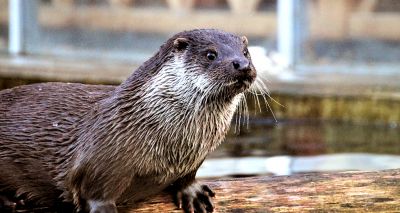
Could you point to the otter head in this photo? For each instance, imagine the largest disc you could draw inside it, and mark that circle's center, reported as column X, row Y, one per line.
column 214, row 61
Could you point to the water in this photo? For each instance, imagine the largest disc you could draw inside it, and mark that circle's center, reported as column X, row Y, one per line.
column 287, row 165
column 295, row 146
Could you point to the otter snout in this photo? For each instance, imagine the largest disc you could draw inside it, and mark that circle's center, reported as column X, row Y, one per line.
column 243, row 70
column 243, row 73
column 241, row 65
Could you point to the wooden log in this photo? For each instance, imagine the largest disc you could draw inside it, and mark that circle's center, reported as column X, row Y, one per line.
column 328, row 192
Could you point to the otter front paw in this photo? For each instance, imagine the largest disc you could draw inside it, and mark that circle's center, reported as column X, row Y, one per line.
column 195, row 198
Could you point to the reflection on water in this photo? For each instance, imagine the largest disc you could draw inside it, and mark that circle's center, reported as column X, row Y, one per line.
column 287, row 147
column 286, row 165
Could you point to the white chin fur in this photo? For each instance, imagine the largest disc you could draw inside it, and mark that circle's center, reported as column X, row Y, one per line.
column 199, row 81
column 176, row 76
column 230, row 83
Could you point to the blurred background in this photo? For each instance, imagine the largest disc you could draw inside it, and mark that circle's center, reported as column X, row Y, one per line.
column 333, row 68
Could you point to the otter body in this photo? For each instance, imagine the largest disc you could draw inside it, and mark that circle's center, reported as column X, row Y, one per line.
column 100, row 147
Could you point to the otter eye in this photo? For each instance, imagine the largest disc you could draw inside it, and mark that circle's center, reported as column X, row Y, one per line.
column 211, row 55
column 246, row 52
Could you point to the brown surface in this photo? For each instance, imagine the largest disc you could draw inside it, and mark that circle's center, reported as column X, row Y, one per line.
column 335, row 192
column 346, row 18
column 106, row 18
column 377, row 25
column 335, row 13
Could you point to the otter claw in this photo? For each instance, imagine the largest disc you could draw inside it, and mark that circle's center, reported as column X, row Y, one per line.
column 195, row 198
column 207, row 189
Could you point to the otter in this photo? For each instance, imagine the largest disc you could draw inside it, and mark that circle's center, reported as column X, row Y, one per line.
column 101, row 147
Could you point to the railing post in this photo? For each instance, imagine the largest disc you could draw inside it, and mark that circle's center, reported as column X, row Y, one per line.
column 22, row 21
column 292, row 27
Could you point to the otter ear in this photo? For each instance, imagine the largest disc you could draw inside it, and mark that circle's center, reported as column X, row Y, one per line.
column 181, row 43
column 244, row 40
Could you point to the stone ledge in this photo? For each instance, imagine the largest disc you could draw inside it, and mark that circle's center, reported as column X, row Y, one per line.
column 112, row 72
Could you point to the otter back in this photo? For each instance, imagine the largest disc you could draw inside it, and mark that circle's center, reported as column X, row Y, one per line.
column 35, row 121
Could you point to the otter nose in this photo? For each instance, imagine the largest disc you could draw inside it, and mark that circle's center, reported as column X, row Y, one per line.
column 241, row 64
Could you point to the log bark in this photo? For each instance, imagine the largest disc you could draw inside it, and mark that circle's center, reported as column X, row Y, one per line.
column 327, row 192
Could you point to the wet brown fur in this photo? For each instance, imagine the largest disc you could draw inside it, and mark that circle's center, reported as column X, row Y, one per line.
column 76, row 142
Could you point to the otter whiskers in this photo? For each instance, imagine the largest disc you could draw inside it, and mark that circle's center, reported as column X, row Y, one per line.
column 259, row 89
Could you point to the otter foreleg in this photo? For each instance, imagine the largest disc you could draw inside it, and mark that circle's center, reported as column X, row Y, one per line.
column 93, row 193
column 192, row 196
